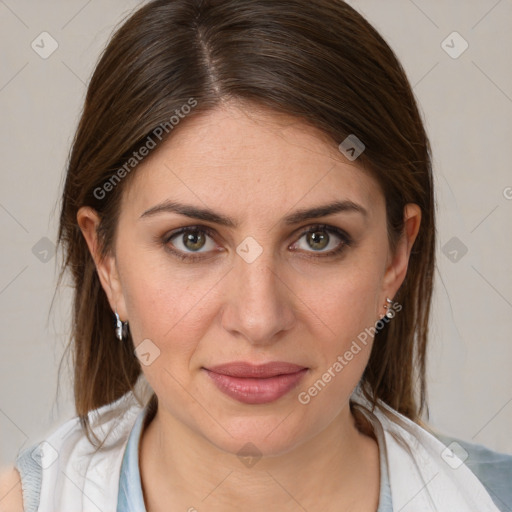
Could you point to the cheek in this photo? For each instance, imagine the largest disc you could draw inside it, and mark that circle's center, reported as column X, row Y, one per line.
column 170, row 309
column 343, row 343
column 169, row 304
column 342, row 317
column 346, row 301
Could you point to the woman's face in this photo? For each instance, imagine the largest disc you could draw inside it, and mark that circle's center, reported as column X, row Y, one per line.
column 246, row 282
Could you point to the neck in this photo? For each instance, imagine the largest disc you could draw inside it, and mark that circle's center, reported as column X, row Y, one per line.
column 339, row 465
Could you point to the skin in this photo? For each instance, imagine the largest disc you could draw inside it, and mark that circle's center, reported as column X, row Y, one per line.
column 289, row 304
column 11, row 495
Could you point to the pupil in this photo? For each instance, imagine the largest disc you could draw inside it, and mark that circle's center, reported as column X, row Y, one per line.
column 193, row 237
column 317, row 238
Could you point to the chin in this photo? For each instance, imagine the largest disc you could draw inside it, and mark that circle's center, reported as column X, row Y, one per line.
column 267, row 436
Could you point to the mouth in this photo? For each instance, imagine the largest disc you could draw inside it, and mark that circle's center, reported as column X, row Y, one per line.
column 262, row 371
column 256, row 384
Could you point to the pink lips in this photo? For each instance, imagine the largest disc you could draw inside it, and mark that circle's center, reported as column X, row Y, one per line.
column 259, row 384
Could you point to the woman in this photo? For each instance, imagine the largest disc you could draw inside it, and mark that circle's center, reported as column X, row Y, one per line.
column 248, row 217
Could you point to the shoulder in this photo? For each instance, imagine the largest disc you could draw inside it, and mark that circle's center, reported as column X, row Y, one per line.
column 67, row 449
column 11, row 496
column 492, row 468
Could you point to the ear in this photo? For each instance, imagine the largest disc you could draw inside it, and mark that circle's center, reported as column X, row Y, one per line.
column 399, row 261
column 88, row 221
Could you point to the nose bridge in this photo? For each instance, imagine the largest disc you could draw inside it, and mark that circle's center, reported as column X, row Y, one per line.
column 258, row 308
column 258, row 274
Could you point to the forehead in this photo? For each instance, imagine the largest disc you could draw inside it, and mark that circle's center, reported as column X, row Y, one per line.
column 249, row 162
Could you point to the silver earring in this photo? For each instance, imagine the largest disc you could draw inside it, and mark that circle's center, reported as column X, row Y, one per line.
column 389, row 313
column 121, row 328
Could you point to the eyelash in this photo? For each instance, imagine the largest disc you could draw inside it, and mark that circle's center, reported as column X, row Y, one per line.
column 346, row 241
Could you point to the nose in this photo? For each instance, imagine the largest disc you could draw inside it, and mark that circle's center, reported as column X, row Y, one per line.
column 259, row 307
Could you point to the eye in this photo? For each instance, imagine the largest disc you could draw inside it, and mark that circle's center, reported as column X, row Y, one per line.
column 190, row 239
column 190, row 243
column 320, row 237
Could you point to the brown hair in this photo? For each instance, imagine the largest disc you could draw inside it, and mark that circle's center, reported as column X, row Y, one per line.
column 318, row 60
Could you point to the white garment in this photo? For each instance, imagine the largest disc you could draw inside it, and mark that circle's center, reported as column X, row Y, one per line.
column 80, row 480
column 420, row 479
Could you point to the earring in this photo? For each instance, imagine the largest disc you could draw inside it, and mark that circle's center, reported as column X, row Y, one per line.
column 121, row 328
column 389, row 313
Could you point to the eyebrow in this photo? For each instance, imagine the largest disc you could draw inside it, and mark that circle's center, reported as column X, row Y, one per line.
column 301, row 215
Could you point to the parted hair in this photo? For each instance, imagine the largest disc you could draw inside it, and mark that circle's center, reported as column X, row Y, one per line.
column 317, row 60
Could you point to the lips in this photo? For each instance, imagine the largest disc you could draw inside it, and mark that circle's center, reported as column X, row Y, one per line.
column 263, row 371
column 256, row 384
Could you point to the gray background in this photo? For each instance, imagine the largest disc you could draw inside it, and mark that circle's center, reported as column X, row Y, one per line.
column 467, row 105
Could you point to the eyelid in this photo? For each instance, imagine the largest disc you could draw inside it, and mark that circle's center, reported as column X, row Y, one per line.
column 346, row 240
column 190, row 256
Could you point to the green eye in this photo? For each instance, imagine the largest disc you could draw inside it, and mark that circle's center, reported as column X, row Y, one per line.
column 192, row 238
column 187, row 243
column 320, row 236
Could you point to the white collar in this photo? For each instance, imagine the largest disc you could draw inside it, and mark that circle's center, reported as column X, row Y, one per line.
column 419, row 477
